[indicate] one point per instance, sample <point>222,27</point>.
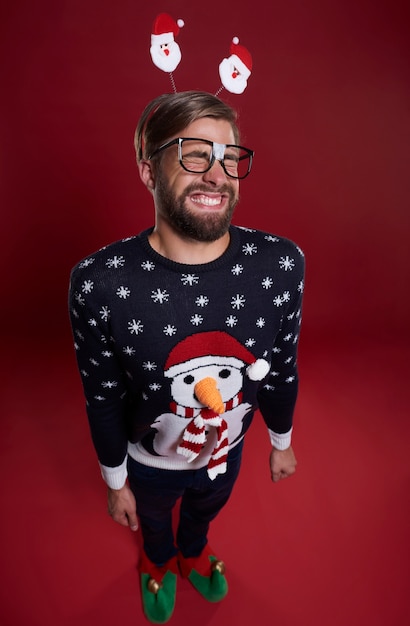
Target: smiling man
<point>182,332</point>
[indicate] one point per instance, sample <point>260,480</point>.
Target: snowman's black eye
<point>224,373</point>
<point>188,380</point>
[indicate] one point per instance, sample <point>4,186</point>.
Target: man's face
<point>197,206</point>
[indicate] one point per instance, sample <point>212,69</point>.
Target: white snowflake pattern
<point>276,350</point>
<point>277,300</point>
<point>160,296</point>
<point>290,379</point>
<point>196,319</point>
<point>92,322</point>
<point>269,387</point>
<point>286,263</point>
<point>238,301</point>
<point>286,296</point>
<point>301,286</point>
<point>75,314</point>
<point>237,269</point>
<point>288,337</point>
<point>149,366</point>
<point>79,334</point>
<point>107,353</point>
<point>288,360</point>
<point>79,299</point>
<point>155,386</point>
<point>274,374</point>
<point>123,292</point>
<point>105,313</point>
<point>135,327</point>
<point>267,282</point>
<point>94,362</point>
<point>115,262</point>
<point>260,322</point>
<point>129,351</point>
<point>271,238</point>
<point>170,330</point>
<point>189,279</point>
<point>84,373</point>
<point>231,321</point>
<point>144,396</point>
<point>100,398</point>
<point>76,346</point>
<point>249,249</point>
<point>202,301</point>
<point>148,266</point>
<point>86,262</point>
<point>109,384</point>
<point>250,342</point>
<point>87,286</point>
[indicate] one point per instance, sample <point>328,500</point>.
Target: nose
<point>207,392</point>
<point>215,174</point>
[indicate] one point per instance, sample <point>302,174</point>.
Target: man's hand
<point>122,507</point>
<point>282,463</point>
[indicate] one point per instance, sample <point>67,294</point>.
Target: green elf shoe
<point>206,573</point>
<point>158,589</point>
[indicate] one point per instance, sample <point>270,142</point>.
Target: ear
<point>147,176</point>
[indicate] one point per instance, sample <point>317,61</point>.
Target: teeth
<point>206,200</point>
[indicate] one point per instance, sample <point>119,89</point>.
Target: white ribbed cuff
<point>115,477</point>
<point>280,441</point>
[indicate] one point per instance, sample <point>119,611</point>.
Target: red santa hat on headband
<point>165,29</point>
<point>235,70</point>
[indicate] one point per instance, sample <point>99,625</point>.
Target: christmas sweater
<point>147,330</point>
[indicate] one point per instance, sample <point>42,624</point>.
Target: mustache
<point>202,188</point>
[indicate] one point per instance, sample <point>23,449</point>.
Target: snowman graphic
<point>206,372</point>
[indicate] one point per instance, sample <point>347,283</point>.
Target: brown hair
<point>168,114</point>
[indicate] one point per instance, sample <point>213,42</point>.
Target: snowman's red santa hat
<point>165,29</point>
<point>213,348</point>
<point>241,57</point>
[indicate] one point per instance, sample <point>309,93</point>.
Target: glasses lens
<point>195,155</point>
<point>237,161</point>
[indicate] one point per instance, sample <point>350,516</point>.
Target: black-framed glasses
<point>197,156</point>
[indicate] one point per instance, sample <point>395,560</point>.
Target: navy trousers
<point>157,491</point>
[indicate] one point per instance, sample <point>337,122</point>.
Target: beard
<point>207,227</point>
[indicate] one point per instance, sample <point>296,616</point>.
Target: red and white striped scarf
<point>194,435</point>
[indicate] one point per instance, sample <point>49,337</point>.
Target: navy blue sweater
<point>146,329</point>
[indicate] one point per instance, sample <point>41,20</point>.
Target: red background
<point>327,112</point>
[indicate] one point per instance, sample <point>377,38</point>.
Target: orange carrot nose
<point>208,393</point>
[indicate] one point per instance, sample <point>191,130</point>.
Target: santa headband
<point>234,70</point>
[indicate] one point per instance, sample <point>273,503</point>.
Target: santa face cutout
<point>236,69</point>
<point>231,77</point>
<point>166,56</point>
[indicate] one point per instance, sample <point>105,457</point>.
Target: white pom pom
<point>235,40</point>
<point>180,23</point>
<point>258,370</point>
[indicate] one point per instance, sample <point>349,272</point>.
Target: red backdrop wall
<point>326,111</point>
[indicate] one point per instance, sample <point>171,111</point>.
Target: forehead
<point>209,128</point>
